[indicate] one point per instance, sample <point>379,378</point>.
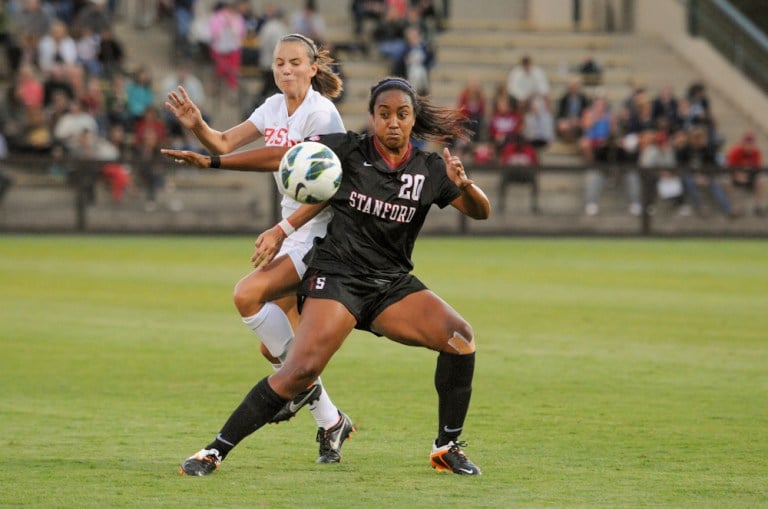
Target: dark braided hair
<point>325,80</point>
<point>433,123</point>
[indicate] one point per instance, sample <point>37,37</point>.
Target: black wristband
<point>215,162</point>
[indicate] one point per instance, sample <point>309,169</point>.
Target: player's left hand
<point>267,246</point>
<point>455,170</point>
<point>188,157</point>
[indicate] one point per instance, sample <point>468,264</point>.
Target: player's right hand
<point>267,246</point>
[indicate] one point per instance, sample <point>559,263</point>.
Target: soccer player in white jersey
<point>304,76</point>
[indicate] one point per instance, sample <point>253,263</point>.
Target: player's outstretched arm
<point>472,202</point>
<point>260,159</point>
<point>216,142</point>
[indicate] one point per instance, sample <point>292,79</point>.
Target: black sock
<point>260,405</point>
<point>453,381</point>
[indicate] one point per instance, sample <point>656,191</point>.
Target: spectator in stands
<point>124,144</point>
<point>228,30</point>
<point>390,34</point>
<point>12,117</point>
<point>570,110</point>
<point>110,54</point>
<point>5,28</point>
<point>310,23</point>
<point>526,79</point>
<point>599,145</point>
<point>183,15</point>
<point>88,44</point>
<point>57,107</point>
<point>636,118</point>
<point>31,21</point>
<point>657,153</point>
<point>518,153</point>
<point>472,103</point>
<point>94,149</point>
<point>505,121</point>
<point>150,137</point>
<point>696,153</point>
<point>367,9</point>
<point>6,181</point>
<point>28,88</point>
<point>666,110</point>
<point>64,9</point>
<point>56,47</point>
<point>93,102</point>
<point>599,131</point>
<point>415,62</point>
<point>182,76</point>
<point>746,155</point>
<point>591,71</point>
<point>139,95</point>
<point>538,122</point>
<point>116,100</point>
<point>270,33</point>
<point>698,105</point>
<point>70,126</point>
<point>700,113</point>
<point>95,16</point>
<point>56,81</point>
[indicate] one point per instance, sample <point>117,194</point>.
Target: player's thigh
<point>422,318</point>
<point>275,280</point>
<point>323,327</point>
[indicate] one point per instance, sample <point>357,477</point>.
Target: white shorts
<point>295,250</point>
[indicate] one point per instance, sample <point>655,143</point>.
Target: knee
<point>248,296</point>
<point>461,339</point>
<point>294,377</point>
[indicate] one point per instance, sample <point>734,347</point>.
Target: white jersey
<point>316,115</point>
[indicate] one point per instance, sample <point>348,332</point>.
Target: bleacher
<point>487,48</point>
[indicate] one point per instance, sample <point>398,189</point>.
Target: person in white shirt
<point>265,298</point>
<point>56,46</point>
<point>527,79</point>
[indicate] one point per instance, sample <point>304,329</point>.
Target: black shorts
<point>365,297</point>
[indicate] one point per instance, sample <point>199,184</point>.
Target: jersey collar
<point>380,150</point>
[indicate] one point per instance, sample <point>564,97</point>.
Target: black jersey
<point>378,211</point>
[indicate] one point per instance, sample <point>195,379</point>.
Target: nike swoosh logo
<point>366,163</point>
<point>449,430</point>
<point>467,470</point>
<point>295,406</point>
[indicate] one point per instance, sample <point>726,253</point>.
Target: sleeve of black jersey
<point>341,143</point>
<point>445,190</point>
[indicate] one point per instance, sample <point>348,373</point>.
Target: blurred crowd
<point>69,94</point>
<point>675,133</point>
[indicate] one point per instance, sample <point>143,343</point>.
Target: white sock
<point>323,410</point>
<point>272,327</point>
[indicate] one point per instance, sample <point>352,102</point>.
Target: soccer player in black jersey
<point>359,274</point>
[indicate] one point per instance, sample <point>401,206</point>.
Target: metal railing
<point>739,40</point>
<point>81,176</point>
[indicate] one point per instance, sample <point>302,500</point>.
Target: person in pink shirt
<point>228,30</point>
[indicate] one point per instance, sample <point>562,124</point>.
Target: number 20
<point>412,186</point>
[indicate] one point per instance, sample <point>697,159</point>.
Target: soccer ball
<point>309,172</point>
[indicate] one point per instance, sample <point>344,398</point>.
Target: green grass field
<point>610,373</point>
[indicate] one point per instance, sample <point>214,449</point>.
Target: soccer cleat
<point>331,439</point>
<point>451,457</point>
<point>292,407</point>
<point>204,462</point>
